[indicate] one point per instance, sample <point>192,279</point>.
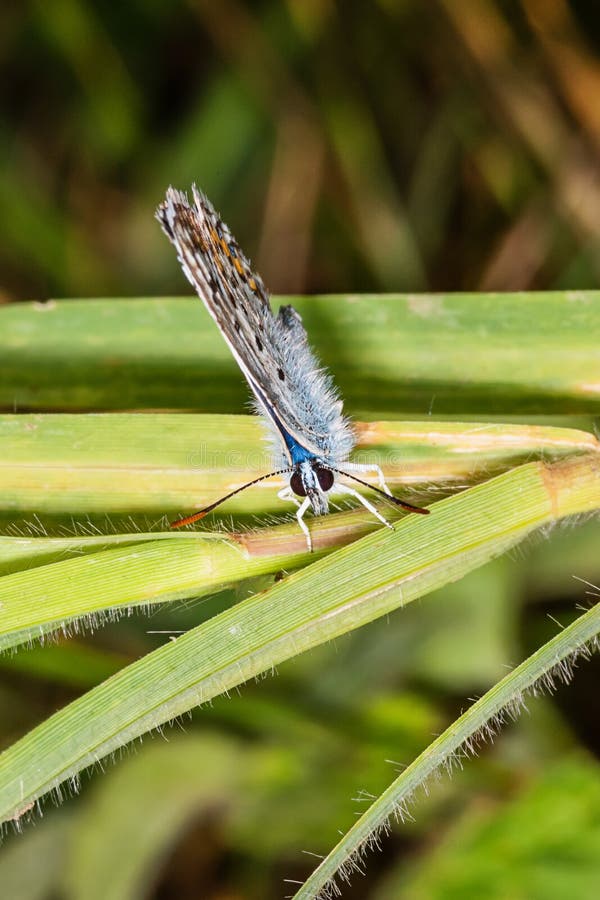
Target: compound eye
<point>325,478</point>
<point>297,486</point>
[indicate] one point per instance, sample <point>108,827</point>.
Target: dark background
<point>350,146</point>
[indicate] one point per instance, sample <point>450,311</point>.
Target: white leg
<point>346,489</point>
<point>299,515</point>
<point>287,493</point>
<point>368,467</point>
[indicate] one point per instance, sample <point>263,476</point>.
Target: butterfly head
<point>312,479</point>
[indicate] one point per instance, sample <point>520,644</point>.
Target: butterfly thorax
<point>312,478</point>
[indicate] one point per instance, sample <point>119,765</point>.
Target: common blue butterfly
<point>309,433</point>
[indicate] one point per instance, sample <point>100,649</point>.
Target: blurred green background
<point>392,145</point>
<point>351,146</point>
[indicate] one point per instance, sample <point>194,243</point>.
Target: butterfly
<point>310,436</point>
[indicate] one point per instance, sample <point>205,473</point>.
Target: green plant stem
<point>479,721</point>
<point>353,586</point>
<point>518,354</point>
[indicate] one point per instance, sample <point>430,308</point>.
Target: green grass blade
<point>67,462</point>
<point>124,471</point>
<point>350,588</point>
<point>151,569</point>
<point>502,353</point>
<point>504,700</point>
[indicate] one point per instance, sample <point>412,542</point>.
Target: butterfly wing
<point>272,351</point>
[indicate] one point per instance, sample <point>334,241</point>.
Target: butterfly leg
<point>300,516</point>
<point>287,493</point>
<point>369,467</point>
<point>346,489</point>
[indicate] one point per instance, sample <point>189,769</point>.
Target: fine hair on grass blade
<point>540,673</point>
<point>336,594</point>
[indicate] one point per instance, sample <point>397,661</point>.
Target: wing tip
<point>167,211</point>
<point>177,201</point>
